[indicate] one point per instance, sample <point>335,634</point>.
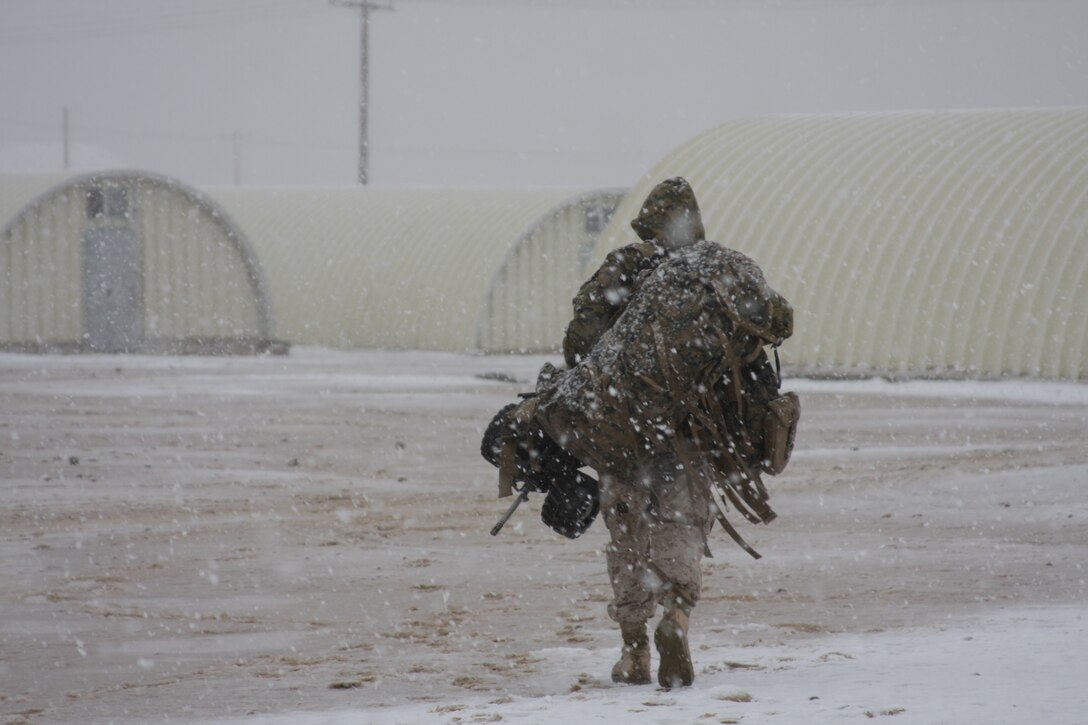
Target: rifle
<point>523,496</point>
<point>572,498</point>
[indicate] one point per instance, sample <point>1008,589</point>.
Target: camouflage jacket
<point>604,296</point>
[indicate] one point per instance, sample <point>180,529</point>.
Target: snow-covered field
<point>304,539</point>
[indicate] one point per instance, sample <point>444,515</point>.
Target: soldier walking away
<point>670,397</point>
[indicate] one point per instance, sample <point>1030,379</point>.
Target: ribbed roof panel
<point>912,243</point>
<point>19,190</point>
<point>383,267</point>
<point>200,286</point>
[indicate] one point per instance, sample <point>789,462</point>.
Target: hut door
<point>111,290</point>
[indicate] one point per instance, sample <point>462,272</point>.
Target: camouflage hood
<point>670,216</point>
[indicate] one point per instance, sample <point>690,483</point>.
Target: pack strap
<point>689,465</point>
<point>725,488</point>
<point>748,495</point>
<point>733,533</point>
<point>508,461</point>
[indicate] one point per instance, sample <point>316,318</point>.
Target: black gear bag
<point>532,459</point>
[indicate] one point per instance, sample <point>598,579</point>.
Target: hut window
<point>109,201</point>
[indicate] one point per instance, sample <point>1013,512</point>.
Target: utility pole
<point>364,6</point>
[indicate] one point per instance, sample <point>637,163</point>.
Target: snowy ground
<point>305,540</point>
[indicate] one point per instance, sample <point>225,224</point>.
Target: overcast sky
<point>525,92</point>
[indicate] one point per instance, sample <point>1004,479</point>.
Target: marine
<point>669,395</point>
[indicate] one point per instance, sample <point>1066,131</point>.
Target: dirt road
<point>191,537</point>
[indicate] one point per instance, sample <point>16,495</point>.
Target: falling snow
<point>304,539</point>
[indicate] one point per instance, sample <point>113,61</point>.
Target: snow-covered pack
<point>683,371</point>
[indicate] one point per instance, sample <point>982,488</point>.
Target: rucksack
<point>702,314</point>
<point>682,371</point>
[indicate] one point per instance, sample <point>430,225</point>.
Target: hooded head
<point>670,216</point>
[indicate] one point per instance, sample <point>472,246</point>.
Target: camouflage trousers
<point>658,526</point>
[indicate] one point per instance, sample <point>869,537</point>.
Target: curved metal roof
<point>21,194</point>
<point>19,190</point>
<point>926,243</point>
<point>384,267</point>
<point>529,295</point>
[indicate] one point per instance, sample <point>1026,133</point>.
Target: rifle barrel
<point>522,497</point>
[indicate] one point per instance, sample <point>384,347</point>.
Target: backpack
<point>682,371</point>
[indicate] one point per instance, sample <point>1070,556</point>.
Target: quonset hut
<point>529,297</point>
<point>950,244</point>
<point>490,270</point>
<point>125,261</point>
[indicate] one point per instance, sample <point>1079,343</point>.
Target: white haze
<point>486,92</point>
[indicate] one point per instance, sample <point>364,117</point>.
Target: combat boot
<point>671,640</point>
<point>633,667</point>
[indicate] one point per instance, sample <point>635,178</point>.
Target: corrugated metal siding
<point>918,243</point>
<point>198,285</point>
<point>199,279</point>
<point>395,268</point>
<point>529,300</point>
<point>41,273</point>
